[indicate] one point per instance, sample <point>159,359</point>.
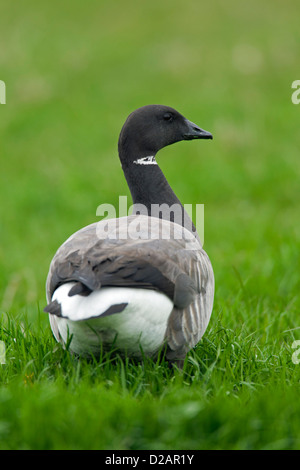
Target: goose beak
<point>195,132</point>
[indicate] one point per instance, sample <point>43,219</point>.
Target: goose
<point>140,283</point>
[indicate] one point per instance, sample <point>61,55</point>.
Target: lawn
<point>73,72</point>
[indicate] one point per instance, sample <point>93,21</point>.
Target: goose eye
<point>168,117</point>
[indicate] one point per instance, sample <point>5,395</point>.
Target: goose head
<point>150,128</point>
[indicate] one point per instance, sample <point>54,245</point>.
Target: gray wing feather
<point>187,326</point>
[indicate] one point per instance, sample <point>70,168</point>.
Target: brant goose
<point>142,282</point>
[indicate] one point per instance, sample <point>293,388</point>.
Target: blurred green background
<point>75,70</point>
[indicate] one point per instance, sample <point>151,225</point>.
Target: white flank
<point>141,325</point>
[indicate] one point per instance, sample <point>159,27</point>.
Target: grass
<point>72,78</point>
<point>226,397</point>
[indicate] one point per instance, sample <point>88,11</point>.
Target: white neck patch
<point>146,161</point>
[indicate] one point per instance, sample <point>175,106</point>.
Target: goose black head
<point>150,128</point>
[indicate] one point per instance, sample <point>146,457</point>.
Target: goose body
<point>141,282</point>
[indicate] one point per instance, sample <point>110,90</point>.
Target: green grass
<point>73,72</point>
